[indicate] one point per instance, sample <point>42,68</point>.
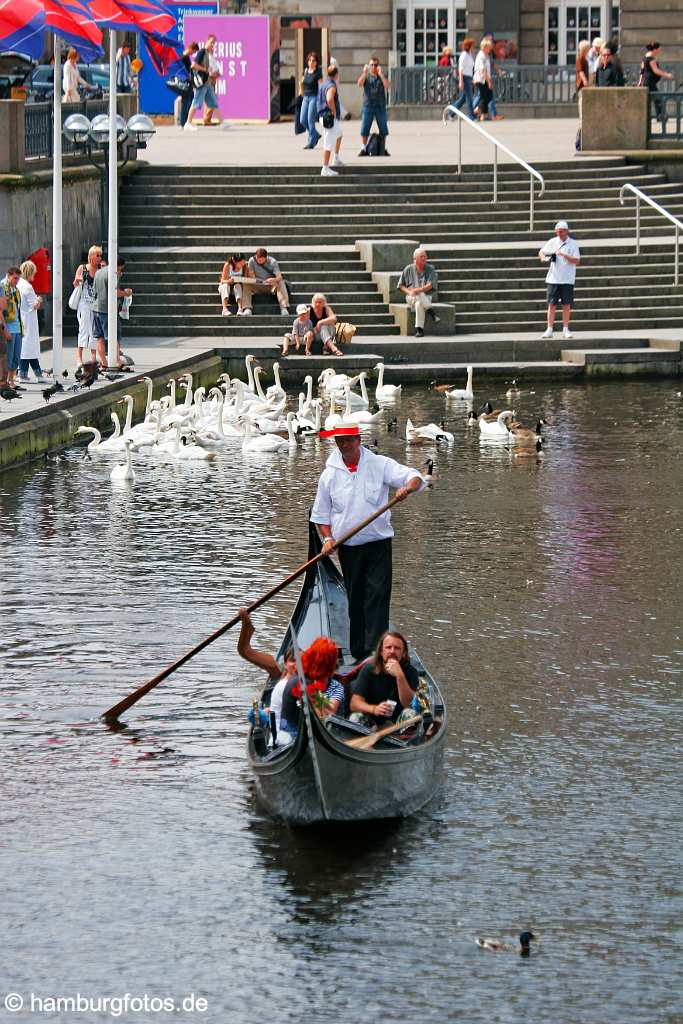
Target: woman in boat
<point>326,694</point>
<point>279,674</point>
<point>386,686</point>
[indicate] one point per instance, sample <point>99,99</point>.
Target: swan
<point>465,394</point>
<point>429,434</point>
<point>150,391</point>
<point>307,407</point>
<point>215,434</point>
<point>96,444</point>
<point>276,391</point>
<point>385,392</point>
<point>124,472</point>
<point>266,407</point>
<point>358,401</point>
<point>334,419</point>
<point>115,443</point>
<point>360,416</point>
<point>308,426</point>
<point>498,428</point>
<point>330,380</point>
<point>261,442</point>
<point>249,360</point>
<point>187,451</point>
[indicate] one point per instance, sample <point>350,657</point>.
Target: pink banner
<point>242,52</point>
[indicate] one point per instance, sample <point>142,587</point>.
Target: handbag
<point>180,86</point>
<point>75,297</point>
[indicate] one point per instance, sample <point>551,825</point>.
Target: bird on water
<point>497,946</point>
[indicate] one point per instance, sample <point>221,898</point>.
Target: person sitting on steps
<point>419,283</point>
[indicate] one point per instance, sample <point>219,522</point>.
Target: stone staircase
<point>178,224</point>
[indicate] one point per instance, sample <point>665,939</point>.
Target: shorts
<point>84,316</point>
<point>560,294</point>
<point>100,325</point>
<point>13,351</point>
<point>370,114</point>
<point>330,135</point>
<point>204,94</point>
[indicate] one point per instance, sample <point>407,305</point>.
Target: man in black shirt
<point>385,687</point>
<point>608,70</point>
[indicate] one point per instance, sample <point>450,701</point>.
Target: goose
<point>360,416</point>
<point>465,394</point>
<point>496,946</point>
<point>471,420</point>
<point>525,435</point>
<point>261,442</point>
<point>489,413</point>
<point>535,453</point>
<point>430,476</point>
<point>513,391</point>
<point>124,472</point>
<point>497,429</point>
<point>385,392</point>
<point>429,434</point>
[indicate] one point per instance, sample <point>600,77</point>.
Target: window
<point>421,32</point>
<point>568,23</point>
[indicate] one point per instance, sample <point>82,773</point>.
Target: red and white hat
<point>353,431</point>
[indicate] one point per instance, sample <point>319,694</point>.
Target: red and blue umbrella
<point>23,24</point>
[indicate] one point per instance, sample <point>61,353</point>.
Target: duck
<point>465,394</point>
<point>124,472</point>
<point>499,428</point>
<point>496,946</point>
<point>513,391</point>
<point>385,392</point>
<point>525,435</point>
<point>428,434</point>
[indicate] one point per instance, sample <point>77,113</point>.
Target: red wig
<point>320,659</point>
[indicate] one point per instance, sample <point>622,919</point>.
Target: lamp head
<point>76,128</point>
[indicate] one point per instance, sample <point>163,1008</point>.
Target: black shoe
<point>433,315</point>
<point>419,333</point>
<point>363,152</point>
<point>385,153</point>
<point>308,146</point>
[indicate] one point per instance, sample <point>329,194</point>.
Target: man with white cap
<point>354,484</point>
<point>562,253</point>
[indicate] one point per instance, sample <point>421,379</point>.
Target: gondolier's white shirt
<point>345,499</point>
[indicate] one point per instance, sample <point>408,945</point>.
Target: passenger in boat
<point>385,687</point>
<point>326,694</point>
<point>355,484</point>
<point>269,664</point>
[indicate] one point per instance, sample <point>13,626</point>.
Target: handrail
<point>639,194</point>
<point>496,146</point>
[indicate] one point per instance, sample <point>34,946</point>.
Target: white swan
<point>124,472</point>
<point>276,391</point>
<point>360,416</point>
<point>96,444</point>
<point>115,443</point>
<point>307,407</point>
<point>214,433</point>
<point>333,419</point>
<point>465,394</point>
<point>188,451</point>
<point>428,434</point>
<point>385,392</point>
<point>311,426</point>
<point>497,429</point>
<point>261,442</point>
<point>357,401</point>
<point>330,380</point>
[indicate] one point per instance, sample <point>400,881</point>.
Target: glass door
<point>568,23</point>
<point>421,31</point>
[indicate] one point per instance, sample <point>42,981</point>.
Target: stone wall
<point>645,20</point>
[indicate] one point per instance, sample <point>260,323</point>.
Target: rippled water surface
<point>546,598</point>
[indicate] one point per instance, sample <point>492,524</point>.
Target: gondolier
<point>353,485</point>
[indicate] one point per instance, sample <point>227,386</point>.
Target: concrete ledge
<point>625,362</point>
<point>386,254</point>
<point>405,318</point>
<point>512,111</point>
<point>615,118</point>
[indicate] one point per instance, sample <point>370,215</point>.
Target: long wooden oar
<point>110,717</point>
<point>368,742</point>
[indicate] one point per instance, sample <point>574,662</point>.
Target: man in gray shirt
<point>267,278</point>
<point>419,283</point>
<point>100,312</point>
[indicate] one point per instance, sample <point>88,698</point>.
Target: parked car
<point>40,86</point>
<point>15,69</point>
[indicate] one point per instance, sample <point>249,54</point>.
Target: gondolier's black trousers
<point>367,575</point>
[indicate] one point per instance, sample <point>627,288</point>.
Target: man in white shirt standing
<point>562,253</point>
<point>354,484</point>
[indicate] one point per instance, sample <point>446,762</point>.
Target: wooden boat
<point>318,777</point>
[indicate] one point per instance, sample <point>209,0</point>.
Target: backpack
<point>375,146</point>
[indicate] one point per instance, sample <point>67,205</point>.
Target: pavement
<point>536,140</point>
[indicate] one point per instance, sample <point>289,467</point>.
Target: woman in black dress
<point>650,73</point>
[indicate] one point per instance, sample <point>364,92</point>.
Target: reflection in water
<point>545,597</point>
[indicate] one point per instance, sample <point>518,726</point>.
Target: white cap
<point>562,226</point>
<point>301,308</point>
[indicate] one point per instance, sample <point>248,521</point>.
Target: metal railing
<point>666,110</point>
<point>524,83</point>
<point>38,124</point>
<point>448,114</point>
<point>639,194</point>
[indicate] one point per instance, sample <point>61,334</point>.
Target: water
<point>545,597</point>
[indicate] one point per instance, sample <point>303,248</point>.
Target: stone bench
<point>405,318</point>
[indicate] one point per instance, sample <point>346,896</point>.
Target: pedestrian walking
<point>354,484</point>
<point>329,108</point>
<point>30,341</point>
<point>582,79</point>
<point>562,253</point>
<point>310,81</point>
<point>650,73</point>
<point>204,95</point>
<point>124,70</point>
<point>188,95</point>
<point>482,78</point>
<point>11,300</point>
<point>609,71</point>
<point>375,87</point>
<point>72,79</point>
<point>465,75</point>
<point>593,58</point>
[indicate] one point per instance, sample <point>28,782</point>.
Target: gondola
<point>319,778</point>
